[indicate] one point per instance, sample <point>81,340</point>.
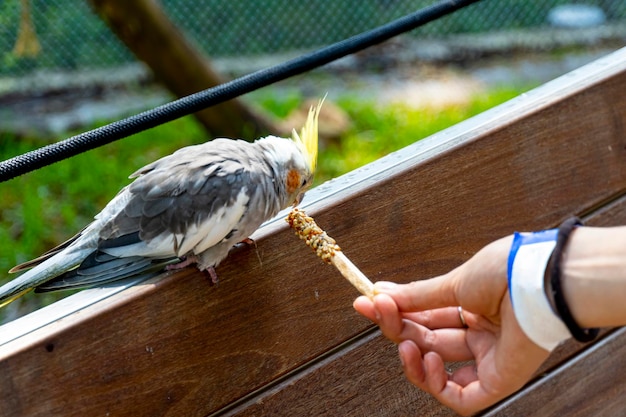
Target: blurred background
<point>70,66</point>
<point>72,37</point>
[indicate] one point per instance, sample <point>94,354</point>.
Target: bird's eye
<point>304,182</point>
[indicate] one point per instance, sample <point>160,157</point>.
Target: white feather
<point>196,239</point>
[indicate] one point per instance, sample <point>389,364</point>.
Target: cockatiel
<point>189,207</point>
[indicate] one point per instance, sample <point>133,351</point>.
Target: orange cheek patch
<point>293,181</point>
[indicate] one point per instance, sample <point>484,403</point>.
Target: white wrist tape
<point>530,253</point>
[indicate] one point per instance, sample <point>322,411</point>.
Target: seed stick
<point>326,248</point>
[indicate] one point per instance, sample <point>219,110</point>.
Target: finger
<point>436,377</point>
<point>450,317</point>
<point>429,374</point>
<point>440,318</point>
<point>464,399</point>
<point>450,344</point>
<point>411,359</point>
<point>390,321</point>
<point>420,295</point>
<point>465,375</point>
<point>364,306</point>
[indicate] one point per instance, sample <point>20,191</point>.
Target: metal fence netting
<point>70,35</point>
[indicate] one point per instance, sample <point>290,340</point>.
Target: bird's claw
<point>212,275</point>
<point>188,260</point>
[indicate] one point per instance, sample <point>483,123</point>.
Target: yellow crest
<point>307,140</point>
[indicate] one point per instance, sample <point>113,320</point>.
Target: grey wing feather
<point>166,198</point>
<point>181,190</point>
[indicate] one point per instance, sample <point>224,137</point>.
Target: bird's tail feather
<point>45,271</point>
<point>44,257</point>
<point>100,268</point>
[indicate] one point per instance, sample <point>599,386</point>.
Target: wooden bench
<point>278,336</point>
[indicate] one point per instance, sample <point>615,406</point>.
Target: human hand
<point>423,318</point>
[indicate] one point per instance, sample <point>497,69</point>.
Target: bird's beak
<point>298,199</point>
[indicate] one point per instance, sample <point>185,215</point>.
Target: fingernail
<point>382,286</point>
<point>401,354</point>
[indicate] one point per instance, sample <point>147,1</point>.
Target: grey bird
<point>189,207</point>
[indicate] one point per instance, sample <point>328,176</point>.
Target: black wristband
<point>554,270</point>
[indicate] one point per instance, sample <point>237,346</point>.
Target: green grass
<point>43,208</point>
<point>378,131</point>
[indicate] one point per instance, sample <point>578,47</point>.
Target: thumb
<point>478,285</point>
<point>420,295</point>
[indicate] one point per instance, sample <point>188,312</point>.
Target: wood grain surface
<point>591,384</point>
<point>278,335</point>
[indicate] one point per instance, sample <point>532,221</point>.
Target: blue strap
<point>527,238</point>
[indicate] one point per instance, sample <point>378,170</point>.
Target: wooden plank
<point>370,369</point>
<point>592,384</point>
<point>178,346</point>
<point>364,379</point>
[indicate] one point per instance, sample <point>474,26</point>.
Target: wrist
<point>537,281</point>
<point>528,258</point>
<point>593,276</point>
<point>555,276</point>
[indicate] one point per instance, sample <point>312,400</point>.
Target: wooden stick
<point>326,248</point>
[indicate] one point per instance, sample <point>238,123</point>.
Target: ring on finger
<point>463,322</point>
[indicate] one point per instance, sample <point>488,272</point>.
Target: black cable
<point>55,152</point>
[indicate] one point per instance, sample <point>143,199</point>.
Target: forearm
<point>594,276</point>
